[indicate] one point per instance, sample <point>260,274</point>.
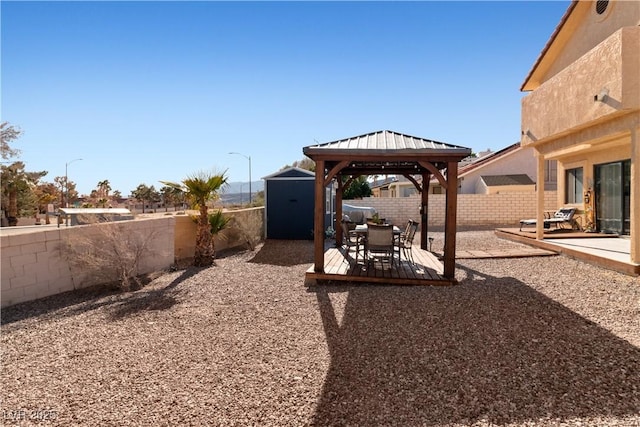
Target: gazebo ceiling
<point>385,152</point>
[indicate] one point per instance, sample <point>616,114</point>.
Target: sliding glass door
<point>613,196</point>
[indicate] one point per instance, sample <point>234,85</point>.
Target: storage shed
<point>289,204</point>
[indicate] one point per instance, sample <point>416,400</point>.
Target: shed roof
<point>501,180</point>
<point>291,172</point>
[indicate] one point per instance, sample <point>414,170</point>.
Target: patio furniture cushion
<point>561,216</point>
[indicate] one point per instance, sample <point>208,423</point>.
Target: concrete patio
<point>604,250</point>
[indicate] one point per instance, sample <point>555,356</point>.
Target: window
<point>550,171</point>
<point>573,185</point>
<point>601,6</point>
<point>409,191</point>
<point>327,201</point>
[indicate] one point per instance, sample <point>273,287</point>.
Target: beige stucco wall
<point>565,102</point>
<point>586,29</point>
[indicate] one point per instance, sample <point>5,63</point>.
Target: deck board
<point>341,266</point>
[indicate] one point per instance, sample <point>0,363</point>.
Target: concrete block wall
<point>33,264</point>
<point>245,228</point>
<point>472,209</point>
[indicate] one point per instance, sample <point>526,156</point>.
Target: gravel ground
<point>525,342</point>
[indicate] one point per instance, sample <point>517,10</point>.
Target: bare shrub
<point>238,231</point>
<point>110,252</point>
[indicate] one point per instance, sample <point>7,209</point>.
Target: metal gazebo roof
<point>386,152</point>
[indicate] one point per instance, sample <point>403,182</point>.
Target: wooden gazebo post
<point>424,210</point>
<point>450,220</point>
<point>339,191</point>
<point>318,221</point>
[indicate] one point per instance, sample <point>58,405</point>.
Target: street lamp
<point>66,182</point>
<point>248,158</point>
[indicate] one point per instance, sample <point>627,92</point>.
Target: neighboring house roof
<point>487,159</point>
<point>383,183</point>
<point>501,180</point>
<point>385,141</point>
<point>550,43</point>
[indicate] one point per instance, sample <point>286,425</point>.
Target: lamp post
<point>248,158</point>
<point>66,182</point>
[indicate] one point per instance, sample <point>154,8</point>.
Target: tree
<point>171,196</point>
<point>17,191</point>
<point>46,193</point>
<point>144,193</point>
<point>68,187</point>
<point>104,187</point>
<point>305,163</point>
<point>8,133</point>
<point>358,189</point>
<point>17,184</point>
<point>200,188</point>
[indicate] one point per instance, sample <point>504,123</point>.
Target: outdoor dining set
<point>378,243</point>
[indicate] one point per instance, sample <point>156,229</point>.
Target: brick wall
<point>473,209</point>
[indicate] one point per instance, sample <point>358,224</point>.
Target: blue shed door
<point>290,209</point>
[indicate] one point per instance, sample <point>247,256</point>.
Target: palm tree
<point>200,188</point>
<point>104,187</point>
<point>144,194</point>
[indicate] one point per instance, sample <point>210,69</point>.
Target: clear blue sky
<point>149,91</point>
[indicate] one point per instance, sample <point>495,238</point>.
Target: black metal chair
<point>351,240</point>
<point>406,240</point>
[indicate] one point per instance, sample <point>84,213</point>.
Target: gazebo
<point>393,153</point>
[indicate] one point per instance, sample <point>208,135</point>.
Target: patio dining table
<point>362,229</point>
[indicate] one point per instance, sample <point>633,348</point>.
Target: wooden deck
<point>427,270</point>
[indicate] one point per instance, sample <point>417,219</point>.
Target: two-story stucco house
<point>583,110</point>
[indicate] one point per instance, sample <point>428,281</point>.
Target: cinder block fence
<point>34,266</point>
<point>473,209</point>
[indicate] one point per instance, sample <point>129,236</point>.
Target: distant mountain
<point>238,192</point>
<point>243,187</point>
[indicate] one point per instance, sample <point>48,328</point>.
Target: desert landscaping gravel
<point>542,341</point>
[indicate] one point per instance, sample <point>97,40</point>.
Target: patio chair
<point>380,243</point>
<point>400,237</point>
<point>406,241</point>
<point>559,218</point>
<point>351,240</point>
